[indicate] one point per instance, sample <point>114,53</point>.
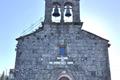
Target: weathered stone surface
<point>87,51</point>
<point>61,50</point>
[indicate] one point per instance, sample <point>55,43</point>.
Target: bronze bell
<point>56,12</point>
<point>68,14</point>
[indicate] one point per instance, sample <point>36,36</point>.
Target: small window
<point>62,50</point>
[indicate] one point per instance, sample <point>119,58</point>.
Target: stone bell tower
<point>61,9</point>
<point>61,50</point>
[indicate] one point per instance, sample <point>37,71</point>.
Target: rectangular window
<point>62,51</point>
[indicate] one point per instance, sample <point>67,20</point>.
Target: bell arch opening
<point>68,13</point>
<point>56,12</point>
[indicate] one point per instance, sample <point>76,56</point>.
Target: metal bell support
<point>56,12</point>
<point>68,14</point>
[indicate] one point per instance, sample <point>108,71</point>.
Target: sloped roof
<point>37,30</point>
<point>93,36</point>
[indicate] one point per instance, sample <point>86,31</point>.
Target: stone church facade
<point>62,50</point>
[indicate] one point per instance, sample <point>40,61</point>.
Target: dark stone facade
<point>62,51</point>
<point>38,56</point>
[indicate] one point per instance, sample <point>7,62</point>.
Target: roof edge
<point>39,29</point>
<point>96,35</point>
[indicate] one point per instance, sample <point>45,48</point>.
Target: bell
<point>68,14</point>
<point>56,12</point>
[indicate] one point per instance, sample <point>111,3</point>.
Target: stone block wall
<point>37,55</point>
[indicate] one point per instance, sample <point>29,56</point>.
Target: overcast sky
<point>101,17</point>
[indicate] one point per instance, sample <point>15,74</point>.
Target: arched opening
<point>68,14</point>
<point>64,78</point>
<point>56,12</point>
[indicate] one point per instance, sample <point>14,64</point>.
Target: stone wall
<point>86,59</point>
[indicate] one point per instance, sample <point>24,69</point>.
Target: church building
<point>60,49</point>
